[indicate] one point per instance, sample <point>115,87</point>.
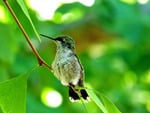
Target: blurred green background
<point>112,41</point>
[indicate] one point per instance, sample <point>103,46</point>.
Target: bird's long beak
<point>47,37</point>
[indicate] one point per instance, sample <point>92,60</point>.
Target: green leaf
<point>24,9</point>
<point>105,105</point>
<point>97,101</point>
<point>111,108</point>
<point>13,95</point>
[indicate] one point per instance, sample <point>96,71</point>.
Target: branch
<point>41,62</point>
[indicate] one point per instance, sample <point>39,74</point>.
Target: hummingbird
<point>67,67</point>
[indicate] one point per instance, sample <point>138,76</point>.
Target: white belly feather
<point>67,68</point>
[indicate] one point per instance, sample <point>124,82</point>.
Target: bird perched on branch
<point>67,67</point>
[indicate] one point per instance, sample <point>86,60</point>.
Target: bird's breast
<point>67,68</point>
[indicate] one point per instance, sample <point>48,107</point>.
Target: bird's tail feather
<point>84,94</point>
<point>74,95</point>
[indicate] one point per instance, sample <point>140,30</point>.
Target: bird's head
<point>63,41</point>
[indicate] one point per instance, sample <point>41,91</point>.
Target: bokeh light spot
<point>3,15</point>
<point>97,50</point>
<point>129,1</point>
<point>51,97</point>
<point>88,3</point>
<point>118,64</point>
<point>47,8</point>
<point>72,15</point>
<point>130,79</point>
<point>143,1</point>
<point>146,77</point>
<point>148,106</point>
<point>141,96</point>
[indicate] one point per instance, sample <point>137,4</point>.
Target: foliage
<point>24,9</point>
<point>105,105</point>
<point>13,95</point>
<point>112,42</point>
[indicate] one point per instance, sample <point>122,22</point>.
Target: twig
<point>40,60</point>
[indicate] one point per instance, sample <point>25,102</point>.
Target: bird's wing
<point>72,70</point>
<point>81,80</point>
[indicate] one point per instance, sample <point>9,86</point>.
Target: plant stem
<point>40,60</point>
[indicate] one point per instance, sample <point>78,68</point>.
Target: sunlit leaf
<point>105,105</point>
<point>111,108</point>
<point>13,95</point>
<point>97,101</point>
<point>24,9</point>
